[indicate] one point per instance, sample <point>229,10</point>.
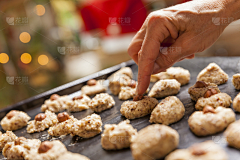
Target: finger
<point>147,56</point>
<point>191,56</point>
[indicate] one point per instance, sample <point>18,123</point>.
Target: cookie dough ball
<point>20,148</point>
<point>210,120</point>
<point>78,103</point>
<point>72,156</point>
<point>117,81</point>
<point>232,134</point>
<point>180,74</point>
<point>169,110</point>
<point>236,103</point>
<point>154,142</point>
<point>9,136</point>
<point>93,87</point>
<point>42,121</point>
<point>87,127</point>
<point>213,74</point>
<point>117,136</point>
<point>200,88</point>
<point>164,88</point>
<point>56,103</point>
<point>101,102</point>
<point>64,125</point>
<point>159,76</point>
<point>125,70</point>
<point>207,150</point>
<point>15,120</point>
<point>236,81</point>
<point>48,151</point>
<point>220,99</point>
<point>137,109</point>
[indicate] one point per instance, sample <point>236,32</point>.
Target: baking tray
<point>92,147</point>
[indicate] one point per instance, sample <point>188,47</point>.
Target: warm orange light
<point>25,37</point>
<point>43,59</point>
<point>26,58</point>
<point>4,58</point>
<point>40,10</point>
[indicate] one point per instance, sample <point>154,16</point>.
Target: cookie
<point>20,148</point>
<point>9,136</point>
<point>125,70</point>
<point>213,74</point>
<point>56,103</point>
<point>164,88</point>
<point>137,109</point>
<point>64,125</point>
<point>236,103</point>
<point>78,103</point>
<point>72,156</point>
<point>117,136</point>
<point>48,151</point>
<point>93,87</point>
<point>87,127</point>
<point>101,102</point>
<point>207,150</point>
<point>169,110</point>
<point>236,81</point>
<point>220,99</point>
<point>210,120</point>
<point>154,142</point>
<point>232,134</point>
<point>180,74</point>
<point>14,120</point>
<point>42,121</point>
<point>159,76</point>
<point>200,88</point>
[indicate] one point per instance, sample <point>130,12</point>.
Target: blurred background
<point>47,43</point>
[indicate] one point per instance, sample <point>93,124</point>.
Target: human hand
<point>173,34</point>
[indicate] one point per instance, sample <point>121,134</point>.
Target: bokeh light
<point>26,58</point>
<point>43,59</point>
<point>25,37</point>
<point>40,10</point>
<point>4,58</point>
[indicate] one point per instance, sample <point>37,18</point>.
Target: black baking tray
<point>92,147</point>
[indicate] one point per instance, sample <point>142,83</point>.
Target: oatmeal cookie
<point>199,89</point>
<point>64,125</point>
<point>14,120</point>
<point>56,103</point>
<point>101,102</point>
<point>42,121</point>
<point>232,134</point>
<point>72,156</point>
<point>210,120</point>
<point>236,81</point>
<point>236,103</point>
<point>48,151</point>
<point>180,74</point>
<point>207,150</point>
<point>78,103</point>
<point>164,88</point>
<point>137,109</point>
<point>9,136</point>
<point>125,70</point>
<point>154,142</point>
<point>213,74</point>
<point>169,110</point>
<point>117,136</point>
<point>220,99</point>
<point>87,127</point>
<point>159,76</point>
<point>93,87</point>
<point>20,148</point>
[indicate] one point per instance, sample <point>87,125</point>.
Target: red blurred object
<point>125,15</point>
